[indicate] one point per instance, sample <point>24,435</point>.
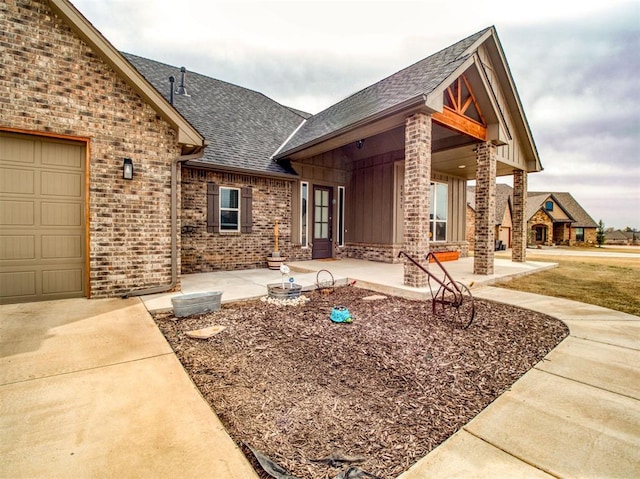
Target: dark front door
<point>322,222</point>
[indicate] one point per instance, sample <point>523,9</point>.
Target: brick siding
<point>51,81</point>
<point>204,252</point>
<point>417,187</point>
<point>484,246</point>
<point>519,232</point>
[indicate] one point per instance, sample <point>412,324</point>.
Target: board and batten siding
<point>512,152</point>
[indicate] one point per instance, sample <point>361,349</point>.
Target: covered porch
<point>386,169</point>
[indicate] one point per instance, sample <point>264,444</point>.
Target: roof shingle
<point>421,78</point>
<point>243,127</point>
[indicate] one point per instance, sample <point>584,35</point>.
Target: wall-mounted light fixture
<point>127,169</point>
<point>359,144</point>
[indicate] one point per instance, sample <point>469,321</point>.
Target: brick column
<point>519,231</point>
<point>417,181</point>
<point>483,252</point>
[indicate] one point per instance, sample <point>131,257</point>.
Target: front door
<point>322,222</point>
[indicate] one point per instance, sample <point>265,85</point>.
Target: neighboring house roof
<point>616,235</point>
<point>243,127</point>
<point>503,200</point>
<point>187,134</point>
<point>580,218</point>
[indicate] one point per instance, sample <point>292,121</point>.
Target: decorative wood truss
<point>461,111</point>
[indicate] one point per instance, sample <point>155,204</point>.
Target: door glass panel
<point>321,214</point>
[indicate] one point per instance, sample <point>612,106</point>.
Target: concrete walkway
<point>575,414</point>
<point>90,388</point>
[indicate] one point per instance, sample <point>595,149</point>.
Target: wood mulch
<point>388,387</point>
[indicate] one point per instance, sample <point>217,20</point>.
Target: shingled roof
<point>417,80</point>
<point>581,219</point>
<point>243,127</point>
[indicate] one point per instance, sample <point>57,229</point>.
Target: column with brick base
<point>483,253</point>
<point>417,181</point>
<point>519,221</point>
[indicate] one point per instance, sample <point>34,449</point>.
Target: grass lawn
<point>613,283</point>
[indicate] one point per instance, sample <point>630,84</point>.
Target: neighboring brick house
<point>552,218</point>
<point>115,181</point>
<point>557,218</point>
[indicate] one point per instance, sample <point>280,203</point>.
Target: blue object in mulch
<point>340,314</point>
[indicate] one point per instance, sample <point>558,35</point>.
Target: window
<point>548,206</point>
<point>340,215</point>
<point>304,214</point>
<point>438,216</point>
<point>229,209</point>
<point>579,234</point>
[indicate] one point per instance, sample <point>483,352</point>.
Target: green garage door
<point>42,218</point>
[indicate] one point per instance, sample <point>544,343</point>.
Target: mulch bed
<point>388,387</point>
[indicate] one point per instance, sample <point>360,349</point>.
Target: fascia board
<point>418,101</point>
<point>513,92</point>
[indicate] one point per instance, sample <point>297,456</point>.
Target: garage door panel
<point>16,180</point>
<point>16,248</point>
<point>18,283</point>
<point>62,281</point>
<point>42,218</point>
<point>17,150</point>
<point>62,154</point>
<point>61,184</point>
<point>61,214</point>
<point>62,247</point>
<point>17,213</point>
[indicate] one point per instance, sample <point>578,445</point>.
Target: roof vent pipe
<point>182,90</point>
<point>172,81</point>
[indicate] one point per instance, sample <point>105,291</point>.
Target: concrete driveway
<point>90,388</point>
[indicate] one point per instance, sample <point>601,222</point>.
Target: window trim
<point>304,210</point>
<point>341,201</point>
<point>432,212</point>
<point>245,217</point>
<point>238,209</point>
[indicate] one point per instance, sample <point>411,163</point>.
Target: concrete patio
<point>381,277</point>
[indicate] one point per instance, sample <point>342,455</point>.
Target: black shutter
<point>245,213</point>
<point>213,208</point>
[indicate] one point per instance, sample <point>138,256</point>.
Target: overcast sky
<point>576,66</point>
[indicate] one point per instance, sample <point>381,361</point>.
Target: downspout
<point>174,231</point>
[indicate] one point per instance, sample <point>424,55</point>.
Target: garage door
<point>42,218</point>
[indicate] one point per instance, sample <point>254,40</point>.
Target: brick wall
<point>203,251</point>
<point>519,232</point>
<point>484,247</point>
<point>540,218</point>
<point>417,186</point>
<point>53,82</point>
<point>384,253</point>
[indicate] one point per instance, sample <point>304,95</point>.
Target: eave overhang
<point>372,125</point>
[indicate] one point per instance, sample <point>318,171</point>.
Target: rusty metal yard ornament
<point>455,299</point>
